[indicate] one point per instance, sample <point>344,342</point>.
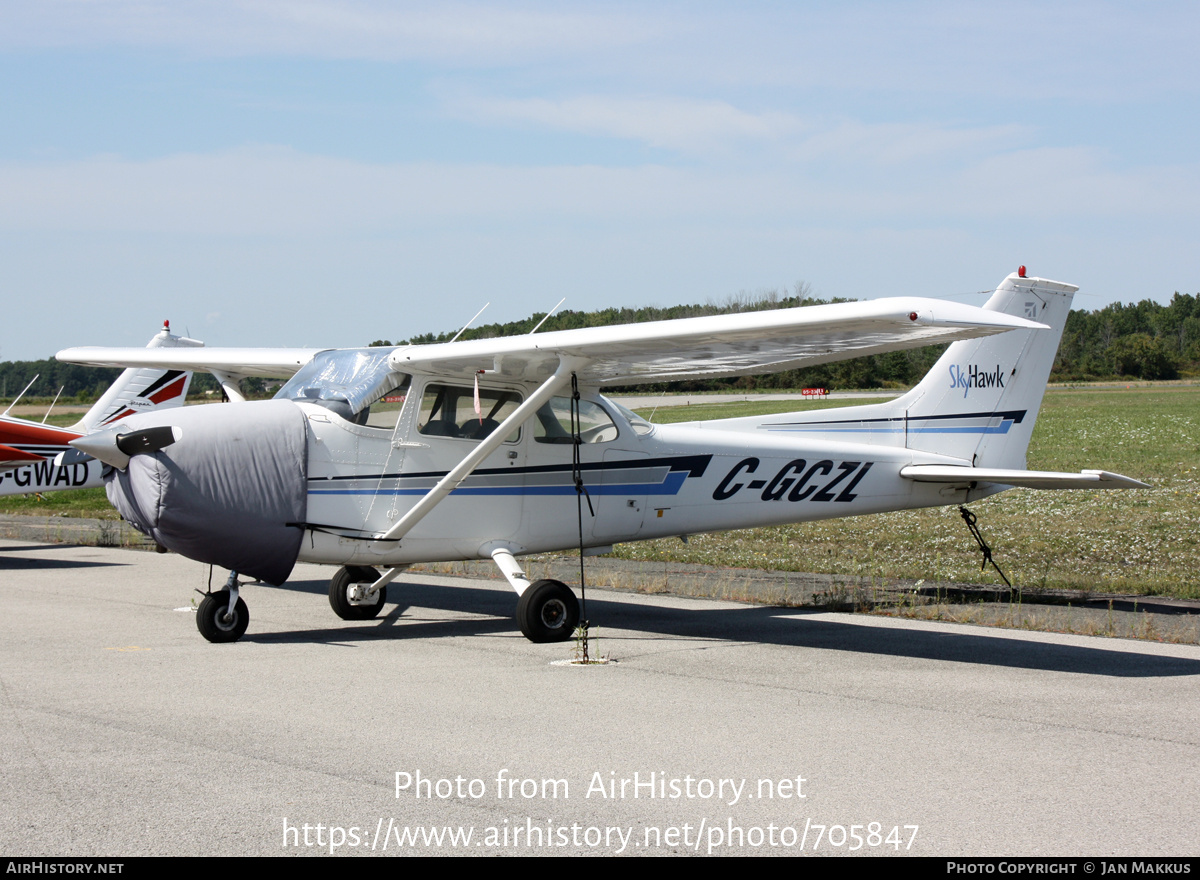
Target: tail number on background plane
<point>46,475</point>
<point>795,481</point>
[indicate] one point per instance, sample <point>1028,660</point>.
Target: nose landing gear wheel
<point>548,612</point>
<point>213,622</point>
<point>344,593</point>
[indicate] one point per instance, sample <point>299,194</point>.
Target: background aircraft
<point>481,449</point>
<point>28,449</point>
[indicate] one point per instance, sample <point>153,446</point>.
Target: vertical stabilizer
<point>981,399</point>
<point>141,390</point>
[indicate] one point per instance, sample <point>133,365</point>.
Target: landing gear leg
<point>547,610</point>
<point>223,616</point>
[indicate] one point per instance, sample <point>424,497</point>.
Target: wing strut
<point>448,483</point>
<point>229,385</point>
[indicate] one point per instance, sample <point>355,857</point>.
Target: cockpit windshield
<point>345,381</point>
<point>639,425</point>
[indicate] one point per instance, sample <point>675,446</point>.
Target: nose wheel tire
<point>345,589</point>
<point>213,622</point>
<point>548,612</point>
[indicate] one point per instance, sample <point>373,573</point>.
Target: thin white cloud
<point>891,144</point>
<point>1019,50</point>
<point>1096,51</point>
<point>469,33</point>
<point>279,192</point>
<point>1080,182</point>
<point>692,126</point>
<point>684,124</point>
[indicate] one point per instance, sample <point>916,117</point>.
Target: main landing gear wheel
<point>548,612</point>
<point>217,626</point>
<point>348,596</point>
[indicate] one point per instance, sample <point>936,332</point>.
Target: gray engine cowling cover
<point>232,491</point>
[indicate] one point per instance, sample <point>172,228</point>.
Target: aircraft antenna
<point>469,323</point>
<point>22,394</point>
<point>661,398</point>
<point>547,318</point>
<point>56,397</point>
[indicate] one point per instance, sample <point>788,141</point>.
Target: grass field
<point>1129,541</point>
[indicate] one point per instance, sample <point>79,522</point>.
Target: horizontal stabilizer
<point>12,457</point>
<point>936,473</point>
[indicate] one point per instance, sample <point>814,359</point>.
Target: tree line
<point>1146,340</point>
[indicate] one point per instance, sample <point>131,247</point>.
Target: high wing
<point>714,346</point>
<point>718,345</point>
<point>239,363</point>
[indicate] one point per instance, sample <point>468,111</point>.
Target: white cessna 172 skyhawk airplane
<point>380,458</point>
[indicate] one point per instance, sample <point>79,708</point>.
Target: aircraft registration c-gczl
<point>374,459</point>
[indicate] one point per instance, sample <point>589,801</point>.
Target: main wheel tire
<point>342,584</point>
<point>548,612</point>
<point>213,623</point>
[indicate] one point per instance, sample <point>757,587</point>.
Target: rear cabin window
<point>450,411</point>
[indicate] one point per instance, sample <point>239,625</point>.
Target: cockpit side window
<point>451,411</point>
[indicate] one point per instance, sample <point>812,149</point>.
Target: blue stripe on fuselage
<point>670,486</point>
<point>928,424</point>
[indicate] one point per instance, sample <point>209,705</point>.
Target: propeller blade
<point>116,449</point>
<point>147,440</point>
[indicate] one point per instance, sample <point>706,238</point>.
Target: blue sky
<point>328,173</point>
